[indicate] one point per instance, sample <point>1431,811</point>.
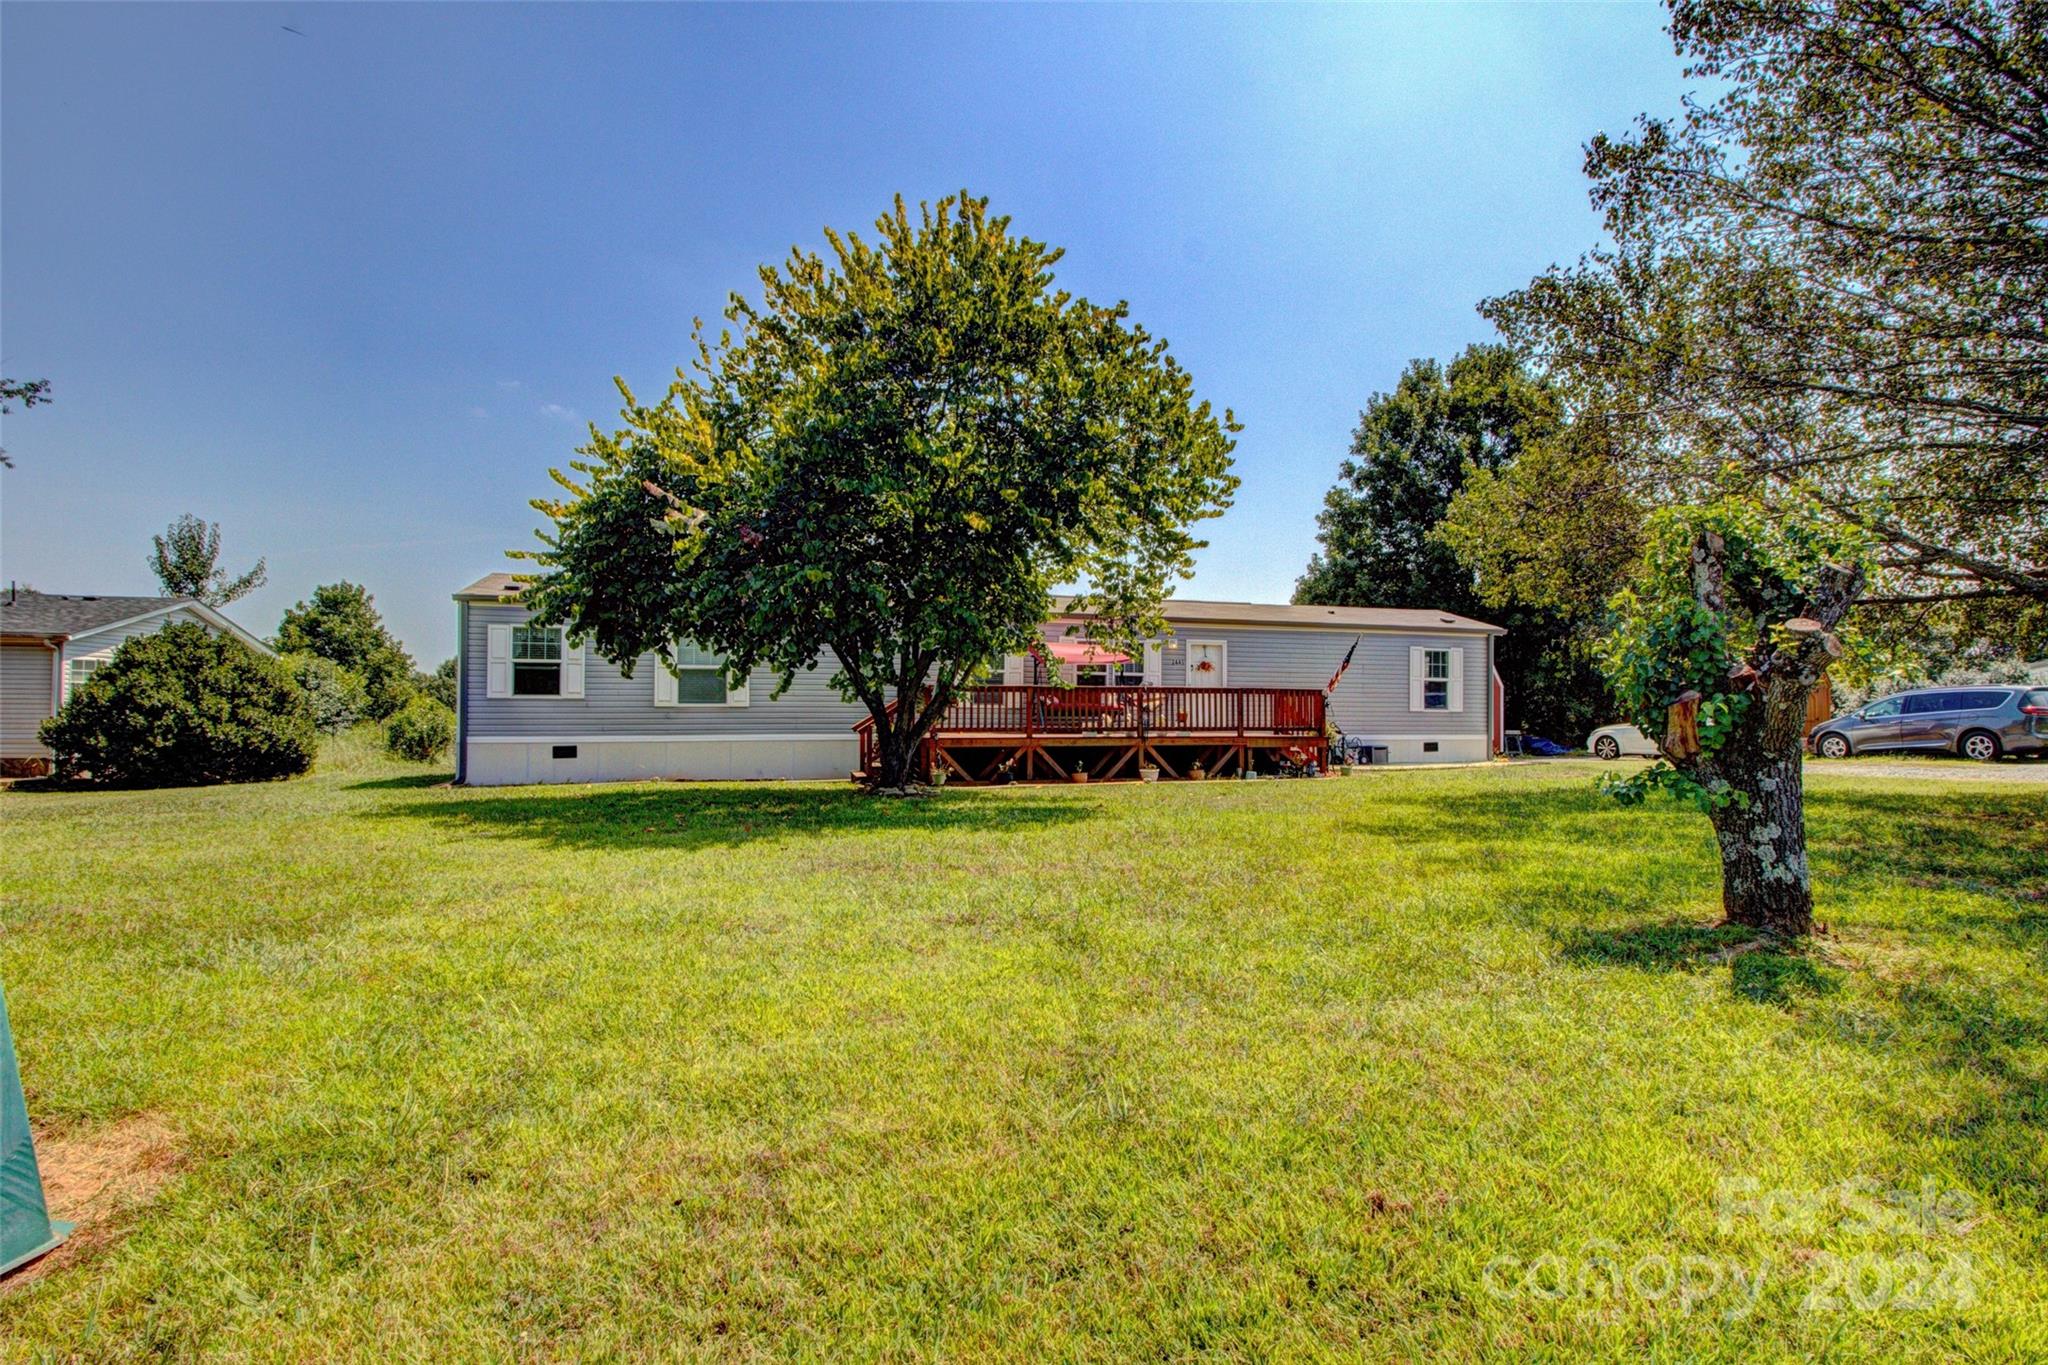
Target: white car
<point>1612,741</point>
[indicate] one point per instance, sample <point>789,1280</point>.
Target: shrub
<point>420,730</point>
<point>337,696</point>
<point>184,707</point>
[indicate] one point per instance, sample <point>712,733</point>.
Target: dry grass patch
<point>96,1178</point>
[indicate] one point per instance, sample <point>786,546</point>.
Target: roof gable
<point>49,615</point>
<point>68,616</point>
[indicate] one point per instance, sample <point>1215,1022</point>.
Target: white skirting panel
<point>1449,748</point>
<point>499,762</point>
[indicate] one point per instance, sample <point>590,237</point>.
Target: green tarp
<point>26,1231</point>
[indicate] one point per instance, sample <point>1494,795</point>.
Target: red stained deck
<point>1043,732</point>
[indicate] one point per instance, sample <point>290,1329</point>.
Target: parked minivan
<point>1976,722</point>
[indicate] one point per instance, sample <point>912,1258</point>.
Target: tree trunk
<point>1755,774</point>
<point>895,760</point>
<point>1764,882</point>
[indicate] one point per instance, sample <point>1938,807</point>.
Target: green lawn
<point>1258,1071</point>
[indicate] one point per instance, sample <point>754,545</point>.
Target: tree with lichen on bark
<point>1731,622</point>
<point>889,463</point>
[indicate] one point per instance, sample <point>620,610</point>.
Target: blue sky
<point>351,293</point>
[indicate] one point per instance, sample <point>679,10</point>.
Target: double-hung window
<point>1129,673</point>
<point>698,680</point>
<point>531,660</point>
<point>695,676</point>
<point>536,661</point>
<point>1436,680</point>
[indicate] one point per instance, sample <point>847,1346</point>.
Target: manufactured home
<point>1234,685</point>
<point>51,642</point>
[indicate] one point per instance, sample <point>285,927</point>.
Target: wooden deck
<point>1044,733</point>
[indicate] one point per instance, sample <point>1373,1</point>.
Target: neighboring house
<point>536,707</point>
<point>51,642</point>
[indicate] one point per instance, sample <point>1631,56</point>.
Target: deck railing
<point>1162,715</point>
<point>1134,712</point>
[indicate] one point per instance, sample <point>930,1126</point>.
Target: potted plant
<point>1148,772</point>
<point>1197,773</point>
<point>1080,773</point>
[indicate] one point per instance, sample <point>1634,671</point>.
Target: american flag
<point>1338,676</point>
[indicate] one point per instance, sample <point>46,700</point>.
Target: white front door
<point>1208,663</point>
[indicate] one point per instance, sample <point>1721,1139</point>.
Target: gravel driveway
<point>2032,770</point>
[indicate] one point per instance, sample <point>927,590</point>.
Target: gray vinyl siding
<point>1371,701</point>
<point>1373,697</point>
<point>613,704</point>
<point>25,699</point>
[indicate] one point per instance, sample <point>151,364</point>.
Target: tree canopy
<point>1832,275</point>
<point>186,560</point>
<point>341,624</point>
<point>1555,530</point>
<point>891,460</point>
<point>1407,526</point>
<point>1410,456</point>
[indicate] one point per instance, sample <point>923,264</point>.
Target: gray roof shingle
<point>49,615</point>
<point>504,587</point>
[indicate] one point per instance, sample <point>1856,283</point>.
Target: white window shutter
<point>743,695</point>
<point>1154,663</point>
<point>664,679</point>
<point>497,661</point>
<point>1457,688</point>
<point>1418,669</point>
<point>1016,670</point>
<point>572,668</point>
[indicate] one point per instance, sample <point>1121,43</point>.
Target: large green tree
<point>1831,275</point>
<point>1389,530</point>
<point>889,462</point>
<point>186,560</point>
<point>340,623</point>
<point>1409,457</point>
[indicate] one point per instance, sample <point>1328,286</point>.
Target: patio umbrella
<point>1084,652</point>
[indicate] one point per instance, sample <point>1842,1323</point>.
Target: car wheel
<point>1607,746</point>
<point>1981,745</point>
<point>1831,746</point>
